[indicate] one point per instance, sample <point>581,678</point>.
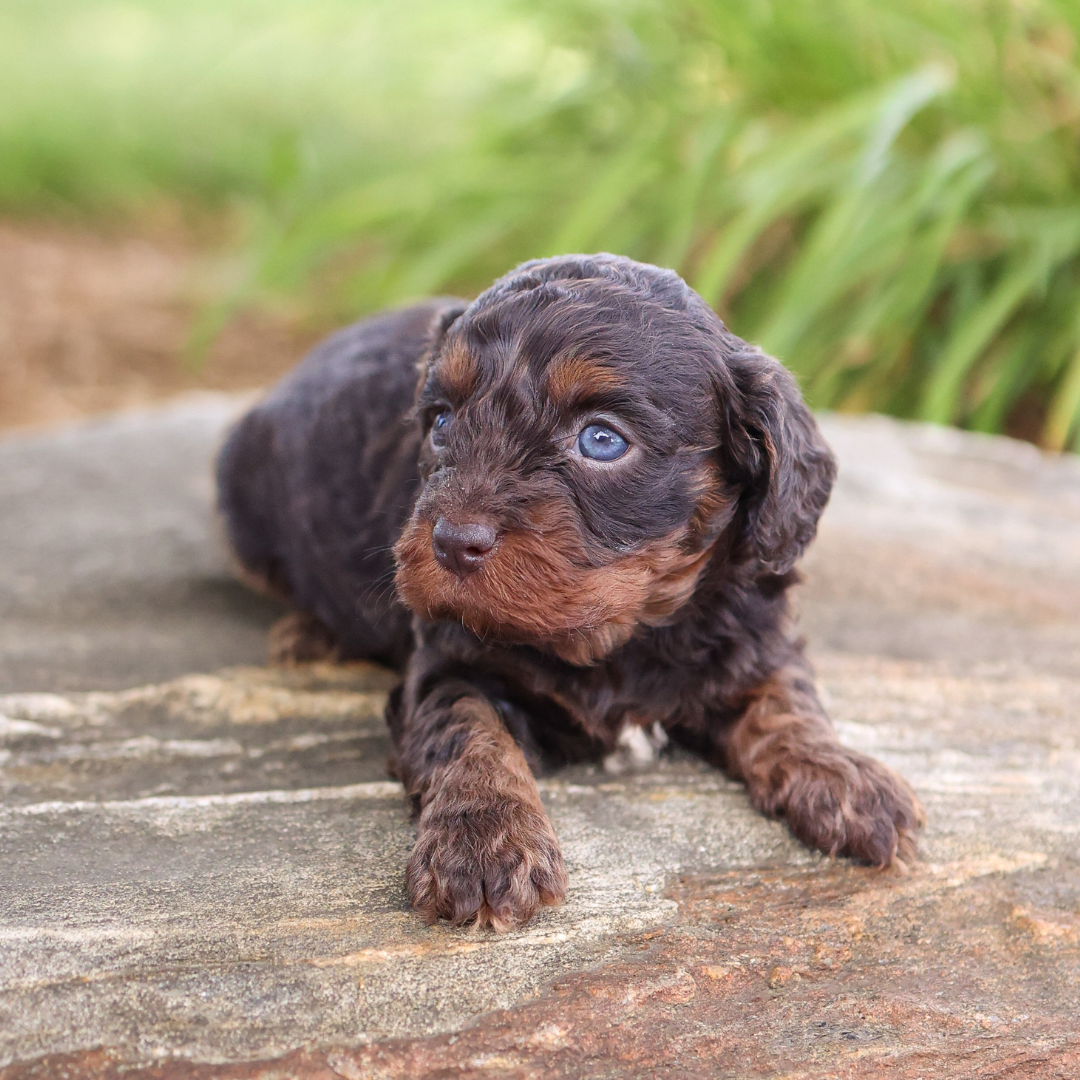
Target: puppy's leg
<point>300,637</point>
<point>832,798</point>
<point>485,848</point>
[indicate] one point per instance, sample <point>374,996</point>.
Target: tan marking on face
<point>576,378</point>
<point>715,506</point>
<point>537,587</point>
<point>457,371</point>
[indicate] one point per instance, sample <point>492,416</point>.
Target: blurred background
<point>883,193</point>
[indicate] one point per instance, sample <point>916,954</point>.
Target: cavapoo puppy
<point>567,509</point>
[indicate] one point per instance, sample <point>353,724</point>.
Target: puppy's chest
<point>603,701</point>
<point>637,686</point>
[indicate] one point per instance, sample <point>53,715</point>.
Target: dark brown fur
<point>484,848</point>
<point>648,591</point>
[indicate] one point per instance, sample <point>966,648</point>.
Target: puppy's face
<point>573,482</point>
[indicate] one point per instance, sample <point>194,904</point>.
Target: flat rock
<point>113,573</point>
<point>203,871</point>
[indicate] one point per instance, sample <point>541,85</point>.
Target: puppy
<point>591,505</point>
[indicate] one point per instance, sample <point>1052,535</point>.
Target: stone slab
<point>947,546</point>
<point>203,872</point>
<point>112,572</point>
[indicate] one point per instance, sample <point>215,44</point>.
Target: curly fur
<point>653,592</point>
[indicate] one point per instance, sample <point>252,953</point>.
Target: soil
<point>92,323</point>
<point>95,322</point>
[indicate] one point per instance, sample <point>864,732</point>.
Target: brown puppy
<point>595,505</point>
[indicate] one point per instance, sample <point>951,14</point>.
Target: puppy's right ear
<point>448,313</point>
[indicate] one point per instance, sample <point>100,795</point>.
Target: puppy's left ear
<point>786,468</point>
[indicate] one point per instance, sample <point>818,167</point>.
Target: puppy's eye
<point>440,425</point>
<point>600,443</point>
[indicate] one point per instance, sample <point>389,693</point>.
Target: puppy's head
<point>591,431</point>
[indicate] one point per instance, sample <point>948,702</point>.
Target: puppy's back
<point>315,482</point>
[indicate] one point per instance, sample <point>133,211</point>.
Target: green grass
<point>884,193</point>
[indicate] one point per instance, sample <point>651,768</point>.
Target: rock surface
<point>112,574</point>
<point>203,872</point>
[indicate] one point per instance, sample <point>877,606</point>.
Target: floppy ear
<point>787,470</point>
<point>449,311</point>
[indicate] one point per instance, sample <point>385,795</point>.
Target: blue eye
<point>601,443</point>
<point>439,426</point>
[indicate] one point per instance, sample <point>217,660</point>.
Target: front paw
<point>843,803</point>
<point>493,861</point>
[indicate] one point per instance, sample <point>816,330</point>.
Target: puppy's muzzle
<point>462,548</point>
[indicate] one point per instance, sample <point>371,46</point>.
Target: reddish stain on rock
<point>833,971</point>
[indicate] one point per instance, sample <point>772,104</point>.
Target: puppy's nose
<point>462,548</point>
